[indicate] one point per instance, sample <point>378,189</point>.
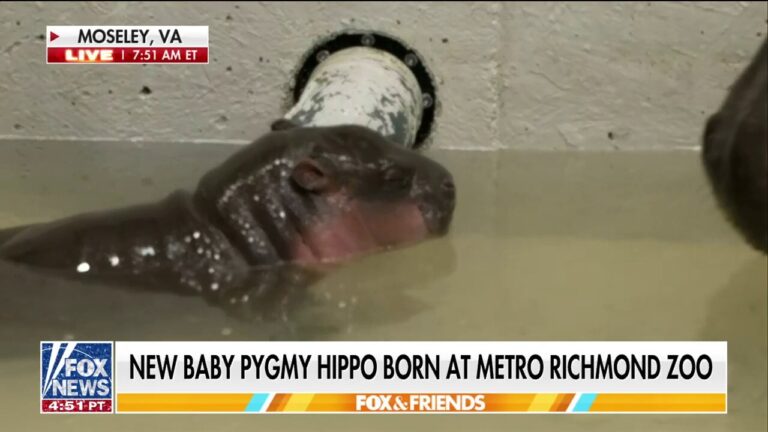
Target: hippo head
<point>327,194</point>
<point>735,152</point>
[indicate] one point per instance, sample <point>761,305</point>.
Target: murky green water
<point>545,246</point>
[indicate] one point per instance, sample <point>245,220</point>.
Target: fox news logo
<point>76,377</point>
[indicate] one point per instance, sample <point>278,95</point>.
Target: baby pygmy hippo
<point>297,198</point>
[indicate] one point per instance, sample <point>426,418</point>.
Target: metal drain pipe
<point>363,86</point>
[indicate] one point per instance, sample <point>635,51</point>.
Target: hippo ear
<point>310,176</point>
<point>283,124</point>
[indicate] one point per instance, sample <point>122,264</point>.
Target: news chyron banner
<point>126,44</point>
<point>383,377</point>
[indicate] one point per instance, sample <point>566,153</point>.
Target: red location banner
<point>128,55</point>
<point>126,44</point>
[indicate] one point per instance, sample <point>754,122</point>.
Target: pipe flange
<point>376,40</point>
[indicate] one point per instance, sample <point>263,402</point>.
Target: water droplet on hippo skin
<point>226,331</point>
<point>146,251</point>
<point>83,267</point>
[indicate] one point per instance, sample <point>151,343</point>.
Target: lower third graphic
<point>76,377</point>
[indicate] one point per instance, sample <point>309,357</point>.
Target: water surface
<point>545,246</point>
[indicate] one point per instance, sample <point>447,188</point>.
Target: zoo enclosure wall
<point>550,76</point>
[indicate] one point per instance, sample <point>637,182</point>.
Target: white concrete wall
<point>518,75</point>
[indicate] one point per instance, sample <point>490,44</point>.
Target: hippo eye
<point>397,178</point>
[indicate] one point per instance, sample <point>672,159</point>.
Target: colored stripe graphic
<point>298,402</point>
<point>257,402</point>
<point>562,403</point>
<point>542,402</point>
<point>622,402</point>
<point>278,402</point>
<point>333,403</point>
<point>407,402</point>
<point>585,402</point>
<point>181,402</point>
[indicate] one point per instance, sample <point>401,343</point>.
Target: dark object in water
<point>269,220</point>
<point>736,152</point>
